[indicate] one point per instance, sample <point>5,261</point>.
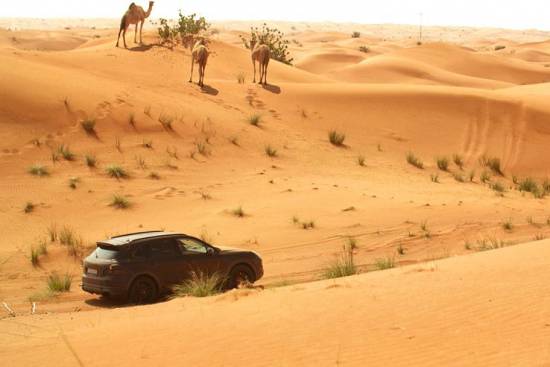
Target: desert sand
<point>448,302</point>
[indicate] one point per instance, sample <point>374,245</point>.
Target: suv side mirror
<point>210,251</point>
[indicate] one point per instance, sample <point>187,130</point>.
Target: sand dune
<point>452,312</point>
<point>434,100</point>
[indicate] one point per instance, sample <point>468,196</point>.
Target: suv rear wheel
<point>143,291</point>
<point>240,275</point>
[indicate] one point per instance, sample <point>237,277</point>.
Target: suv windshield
<point>109,253</point>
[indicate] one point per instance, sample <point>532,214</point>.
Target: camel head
<point>151,3</point>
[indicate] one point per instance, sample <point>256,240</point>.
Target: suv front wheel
<point>240,275</point>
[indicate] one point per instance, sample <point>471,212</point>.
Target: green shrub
<point>88,125</point>
<point>485,176</point>
<point>529,185</point>
<point>200,285</point>
<point>270,151</point>
<point>90,160</point>
<point>272,38</point>
<point>355,34</point>
<point>443,163</point>
<point>38,170</point>
<point>364,49</point>
<point>166,122</point>
<point>184,29</point>
<point>493,164</point>
<point>385,263</point>
<point>58,284</point>
<point>361,160</point>
<point>255,119</point>
<point>414,161</point>
<point>508,225</point>
<point>120,202</point>
<point>336,138</point>
<point>342,266</point>
<point>458,160</point>
<point>498,187</point>
<point>434,178</point>
<point>116,171</point>
<point>238,212</point>
<point>458,177</point>
<point>65,152</point>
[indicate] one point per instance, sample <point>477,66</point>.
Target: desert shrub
<point>254,119</point>
<point>356,34</point>
<point>147,144</point>
<point>200,285</point>
<point>58,283</point>
<point>385,263</point>
<point>29,207</point>
<point>38,170</point>
<point>364,49</point>
<point>166,121</point>
<point>498,187</point>
<point>401,250</point>
<point>241,78</point>
<point>472,175</point>
<point>361,160</point>
<point>270,151</point>
<point>90,160</point>
<point>458,160</point>
<point>443,163</point>
<point>458,177</point>
<point>52,232</point>
<point>73,182</point>
<point>546,186</point>
<point>65,152</point>
<point>185,29</point>
<point>88,125</point>
<point>35,257</point>
<point>238,212</point>
<point>154,176</point>
<point>485,176</point>
<point>528,185</point>
<point>434,178</point>
<point>493,164</point>
<point>414,160</point>
<point>272,38</point>
<point>342,266</point>
<point>508,225</point>
<point>308,225</point>
<point>132,120</point>
<point>120,202</point>
<point>499,47</point>
<point>336,138</point>
<point>116,171</point>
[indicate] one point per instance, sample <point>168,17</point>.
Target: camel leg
<point>203,68</point>
<point>262,72</point>
<point>141,33</point>
<point>254,63</point>
<point>135,33</point>
<point>192,64</point>
<point>265,73</point>
<point>124,36</point>
<point>118,39</point>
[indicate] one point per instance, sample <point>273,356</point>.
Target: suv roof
<point>131,237</point>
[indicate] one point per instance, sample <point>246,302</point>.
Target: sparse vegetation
<point>234,140</point>
<point>352,242</point>
<point>508,225</point>
<point>443,163</point>
<point>132,120</point>
<point>434,178</point>
<point>401,250</point>
<point>272,38</point>
<point>154,176</point>
<point>458,160</point>
<point>147,144</point>
<point>485,176</point>
<point>342,266</point>
<point>118,144</point>
<point>147,111</point>
<point>116,171</point>
<point>29,207</point>
<point>361,160</point>
<point>539,237</point>
<point>308,225</point>
<point>38,170</point>
<point>35,257</point>
<point>90,160</point>
<point>200,285</point>
<point>270,151</point>
<point>255,119</point>
<point>202,148</point>
<point>184,29</point>
<point>385,263</point>
<point>65,152</point>
<point>52,232</point>
<point>336,138</point>
<point>364,49</point>
<point>414,161</point>
<point>172,152</point>
<point>88,125</point>
<point>166,122</point>
<point>356,34</point>
<point>493,164</point>
<point>499,47</point>
<point>73,182</point>
<point>140,161</point>
<point>528,185</point>
<point>472,175</point>
<point>498,187</point>
<point>120,202</point>
<point>238,212</point>
<point>58,283</point>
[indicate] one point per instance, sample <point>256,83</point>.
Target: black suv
<point>141,266</point>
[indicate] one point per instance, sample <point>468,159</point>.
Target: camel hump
<point>132,5</point>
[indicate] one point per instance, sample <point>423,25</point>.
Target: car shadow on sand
<point>275,89</point>
<point>108,302</point>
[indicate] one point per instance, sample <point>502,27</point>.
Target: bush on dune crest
<point>343,266</point>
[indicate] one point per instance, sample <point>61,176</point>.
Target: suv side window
<point>164,248</point>
<point>191,246</point>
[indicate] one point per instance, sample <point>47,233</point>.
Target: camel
<point>262,55</point>
<point>199,55</point>
<point>134,15</point>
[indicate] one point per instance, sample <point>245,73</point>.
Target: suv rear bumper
<point>103,286</point>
